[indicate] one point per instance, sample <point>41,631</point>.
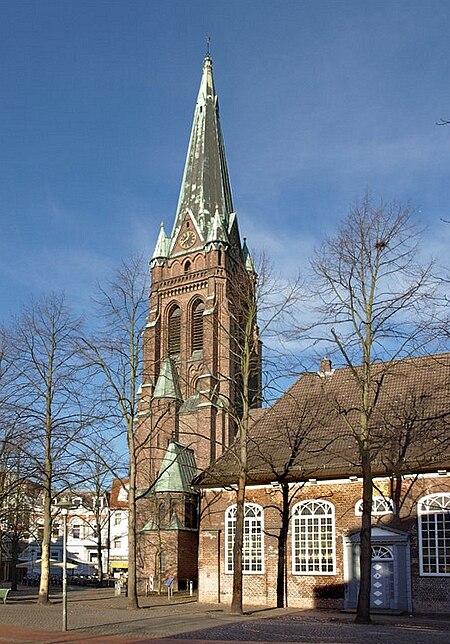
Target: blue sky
<point>320,100</point>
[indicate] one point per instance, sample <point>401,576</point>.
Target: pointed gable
<point>217,234</point>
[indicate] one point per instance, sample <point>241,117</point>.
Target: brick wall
<point>429,593</point>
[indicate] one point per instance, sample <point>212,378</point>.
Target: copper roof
<point>205,187</point>
<point>312,430</point>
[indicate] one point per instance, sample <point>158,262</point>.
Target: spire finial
<point>208,40</point>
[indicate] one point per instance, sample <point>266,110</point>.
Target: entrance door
<point>390,572</point>
<point>382,590</point>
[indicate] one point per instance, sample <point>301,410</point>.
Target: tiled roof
<point>114,502</point>
<point>312,430</point>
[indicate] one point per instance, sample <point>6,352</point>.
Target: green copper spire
<point>205,186</point>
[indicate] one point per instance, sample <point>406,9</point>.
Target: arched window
<point>434,534</point>
<point>197,326</point>
<point>174,336</point>
<point>252,548</point>
<point>313,541</point>
<point>380,505</point>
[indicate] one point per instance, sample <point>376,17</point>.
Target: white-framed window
<point>76,531</point>
<point>434,534</point>
<point>117,518</point>
<point>253,546</point>
<point>313,539</point>
<point>380,505</point>
<point>117,543</point>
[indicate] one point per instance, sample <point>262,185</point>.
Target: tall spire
<point>206,185</point>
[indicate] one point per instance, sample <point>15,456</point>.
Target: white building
<point>118,527</point>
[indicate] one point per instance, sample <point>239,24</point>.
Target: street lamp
<point>65,504</point>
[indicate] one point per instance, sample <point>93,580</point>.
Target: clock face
<point>187,239</point>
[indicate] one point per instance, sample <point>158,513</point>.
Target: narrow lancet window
<point>197,326</point>
<point>174,339</point>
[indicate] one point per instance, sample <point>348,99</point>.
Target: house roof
<point>312,431</point>
<point>115,500</point>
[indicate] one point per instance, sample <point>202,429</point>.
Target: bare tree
<point>373,297</point>
<point>14,468</point>
<point>282,443</point>
<point>48,399</point>
<point>263,305</point>
<point>115,352</point>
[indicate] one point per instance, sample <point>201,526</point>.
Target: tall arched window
<point>434,534</point>
<point>252,549</point>
<point>197,326</point>
<point>313,541</point>
<point>174,335</point>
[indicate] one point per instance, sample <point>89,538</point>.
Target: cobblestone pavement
<point>97,616</point>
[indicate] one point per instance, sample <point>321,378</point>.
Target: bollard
<point>191,588</point>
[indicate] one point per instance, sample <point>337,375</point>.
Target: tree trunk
<point>132,579</point>
<point>45,557</point>
<point>282,541</point>
<point>14,560</point>
<point>365,560</point>
<point>99,555</point>
<point>236,602</point>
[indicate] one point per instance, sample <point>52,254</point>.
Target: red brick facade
<point>428,594</point>
<point>209,374</point>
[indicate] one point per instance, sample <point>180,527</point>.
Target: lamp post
<point>65,503</point>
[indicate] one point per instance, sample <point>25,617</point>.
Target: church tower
<point>200,273</point>
<point>191,394</point>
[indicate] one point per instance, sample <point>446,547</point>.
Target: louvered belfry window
<point>197,326</point>
<point>174,343</point>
